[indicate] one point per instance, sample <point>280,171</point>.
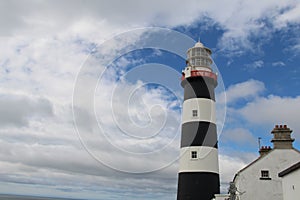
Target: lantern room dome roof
<point>199,44</point>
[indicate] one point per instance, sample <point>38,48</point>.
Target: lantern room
<point>198,62</point>
<point>198,57</point>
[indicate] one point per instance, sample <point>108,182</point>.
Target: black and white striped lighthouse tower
<point>198,165</point>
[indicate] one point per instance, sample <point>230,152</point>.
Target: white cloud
<point>278,64</point>
<point>245,90</point>
<point>245,20</point>
<point>259,110</point>
<point>19,110</point>
<point>290,16</point>
<point>229,165</point>
<point>240,20</point>
<point>255,65</point>
<point>50,145</point>
<point>272,110</point>
<point>239,137</point>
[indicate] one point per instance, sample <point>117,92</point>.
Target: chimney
<point>282,137</point>
<point>264,150</point>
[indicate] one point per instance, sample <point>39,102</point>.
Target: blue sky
<point>91,99</point>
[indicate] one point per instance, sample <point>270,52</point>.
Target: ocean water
<point>20,197</point>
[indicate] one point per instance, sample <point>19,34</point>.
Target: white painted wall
<point>206,110</point>
<point>248,180</point>
<point>207,160</point>
<point>291,185</point>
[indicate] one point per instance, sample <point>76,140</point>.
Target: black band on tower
<point>198,186</point>
<point>199,134</point>
<point>199,87</point>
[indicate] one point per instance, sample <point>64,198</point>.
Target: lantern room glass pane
<point>198,51</point>
<point>193,52</point>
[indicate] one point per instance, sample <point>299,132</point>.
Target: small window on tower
<point>195,113</point>
<point>265,175</point>
<point>193,154</point>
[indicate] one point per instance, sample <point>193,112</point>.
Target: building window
<point>195,113</point>
<point>264,175</point>
<point>194,154</point>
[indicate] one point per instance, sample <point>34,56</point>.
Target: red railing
<point>195,73</point>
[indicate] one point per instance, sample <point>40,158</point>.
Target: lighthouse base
<point>198,185</point>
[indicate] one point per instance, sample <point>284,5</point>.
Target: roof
<point>248,166</point>
<point>260,157</point>
<point>289,170</point>
<point>253,162</point>
<point>199,44</point>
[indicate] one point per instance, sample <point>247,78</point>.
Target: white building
<point>291,182</point>
<point>259,180</point>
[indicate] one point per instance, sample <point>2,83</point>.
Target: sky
<point>90,94</point>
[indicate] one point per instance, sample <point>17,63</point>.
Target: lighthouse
<point>198,177</point>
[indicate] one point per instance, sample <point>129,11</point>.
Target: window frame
<point>265,175</point>
<point>194,155</point>
<point>194,113</point>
